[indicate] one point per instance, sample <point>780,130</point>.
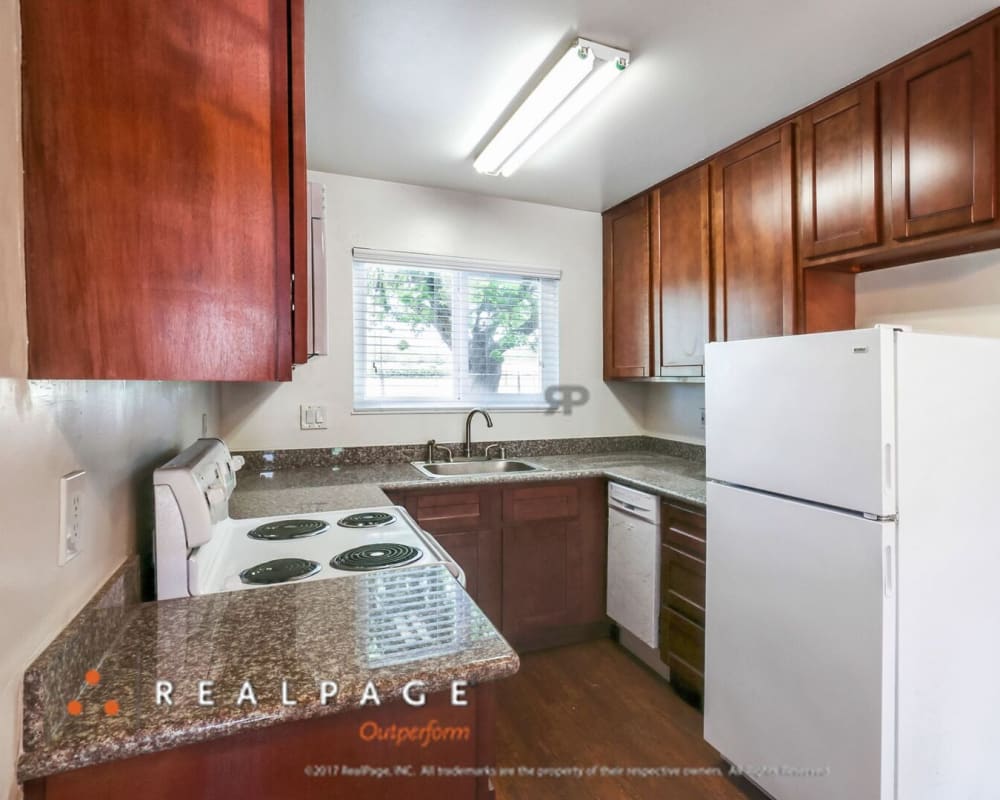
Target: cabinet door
<point>301,240</point>
<point>754,248</point>
<point>543,502</point>
<point>478,554</point>
<point>465,522</point>
<point>440,512</point>
<point>554,563</point>
<point>539,573</point>
<point>627,290</point>
<point>838,195</point>
<point>681,274</point>
<point>158,152</point>
<point>942,118</point>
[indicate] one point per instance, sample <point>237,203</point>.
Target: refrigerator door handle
<point>888,465</point>
<point>888,578</point>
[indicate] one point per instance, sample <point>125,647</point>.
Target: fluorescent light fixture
<point>577,78</point>
<point>574,104</point>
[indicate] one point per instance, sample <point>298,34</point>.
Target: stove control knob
<point>216,495</point>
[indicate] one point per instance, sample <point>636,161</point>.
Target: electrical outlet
<point>312,418</point>
<point>72,513</point>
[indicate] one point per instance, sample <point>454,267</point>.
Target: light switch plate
<point>312,418</point>
<point>72,514</point>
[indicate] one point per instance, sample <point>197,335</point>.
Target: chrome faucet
<point>468,427</point>
<point>501,449</point>
<point>433,446</point>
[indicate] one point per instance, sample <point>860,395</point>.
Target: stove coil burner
<point>367,519</point>
<point>280,570</point>
<point>285,529</point>
<point>375,556</point>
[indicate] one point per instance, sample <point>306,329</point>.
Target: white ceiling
<point>407,90</point>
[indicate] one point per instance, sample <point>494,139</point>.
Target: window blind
<point>439,332</point>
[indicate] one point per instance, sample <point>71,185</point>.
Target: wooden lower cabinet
<point>682,598</point>
<point>540,568</point>
<point>295,759</point>
<point>478,554</point>
<point>464,522</point>
<point>534,554</point>
<point>554,563</point>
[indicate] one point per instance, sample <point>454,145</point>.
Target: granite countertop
<point>294,490</point>
<point>344,630</point>
<point>334,630</point>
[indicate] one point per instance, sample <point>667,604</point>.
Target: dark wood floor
<point>593,704</point>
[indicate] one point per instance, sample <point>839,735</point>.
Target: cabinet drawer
<point>682,584</point>
<point>683,541</point>
<point>536,503</point>
<point>688,681</point>
<point>685,519</point>
<point>684,530</point>
<point>449,511</point>
<point>685,639</point>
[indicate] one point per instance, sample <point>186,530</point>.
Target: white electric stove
<point>200,549</point>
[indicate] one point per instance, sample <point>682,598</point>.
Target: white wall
<point>116,431</point>
<point>673,411</point>
<point>392,216</point>
<point>952,295</point>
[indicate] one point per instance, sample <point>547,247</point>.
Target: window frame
<point>549,285</point>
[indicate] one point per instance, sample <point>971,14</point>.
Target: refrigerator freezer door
<point>799,659</point>
<point>809,416</point>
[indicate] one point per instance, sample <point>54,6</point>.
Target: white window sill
<point>534,409</point>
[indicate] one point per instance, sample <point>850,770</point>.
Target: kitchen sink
<point>450,469</point>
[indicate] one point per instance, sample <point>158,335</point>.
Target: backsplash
<point>257,460</point>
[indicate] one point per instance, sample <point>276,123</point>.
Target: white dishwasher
<point>634,561</point>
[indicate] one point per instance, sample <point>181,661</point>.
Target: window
<point>438,333</point>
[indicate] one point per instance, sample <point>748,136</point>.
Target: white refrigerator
<point>853,564</point>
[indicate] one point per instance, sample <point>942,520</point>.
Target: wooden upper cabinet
<point>299,206</point>
<point>164,176</point>
<point>753,240</point>
<point>839,184</point>
<point>681,274</point>
<point>627,290</point>
<point>942,128</point>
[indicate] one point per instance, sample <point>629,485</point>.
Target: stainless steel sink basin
<point>474,467</point>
